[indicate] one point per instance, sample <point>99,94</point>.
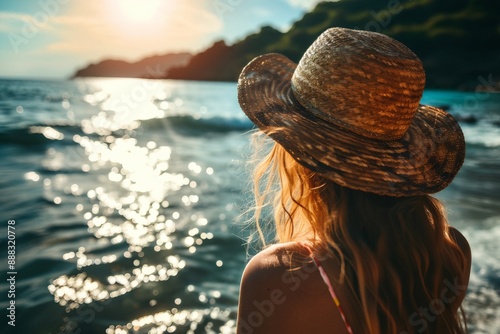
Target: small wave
<point>23,137</point>
<point>191,125</point>
<point>39,134</point>
<point>486,135</point>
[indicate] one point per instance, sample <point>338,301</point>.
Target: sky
<point>53,38</point>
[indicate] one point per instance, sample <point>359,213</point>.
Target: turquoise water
<point>125,194</point>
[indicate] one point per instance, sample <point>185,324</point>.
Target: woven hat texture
<point>350,111</point>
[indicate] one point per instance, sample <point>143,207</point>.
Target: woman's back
<point>283,292</point>
<point>284,275</point>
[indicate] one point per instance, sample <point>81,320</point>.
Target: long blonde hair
<point>395,253</point>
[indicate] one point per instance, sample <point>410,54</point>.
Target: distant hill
<point>151,67</point>
<point>458,41</point>
<point>221,62</point>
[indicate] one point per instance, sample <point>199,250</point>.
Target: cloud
<point>307,4</point>
<point>4,27</point>
<point>65,47</point>
<point>262,12</point>
<point>12,21</point>
<point>10,16</point>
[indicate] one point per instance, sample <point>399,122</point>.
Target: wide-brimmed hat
<point>350,111</point>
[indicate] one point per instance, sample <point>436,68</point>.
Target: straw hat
<point>350,112</point>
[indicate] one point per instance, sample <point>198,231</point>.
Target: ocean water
<point>125,194</point>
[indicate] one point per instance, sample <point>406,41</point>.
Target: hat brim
<point>424,161</point>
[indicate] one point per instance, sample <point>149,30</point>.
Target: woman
<point>362,246</point>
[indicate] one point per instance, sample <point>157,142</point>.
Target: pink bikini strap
<point>328,283</point>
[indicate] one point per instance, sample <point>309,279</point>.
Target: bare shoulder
<point>268,269</point>
<point>282,292</point>
<point>275,259</point>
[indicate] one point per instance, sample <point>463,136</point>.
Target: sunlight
<point>138,11</point>
<point>138,17</point>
